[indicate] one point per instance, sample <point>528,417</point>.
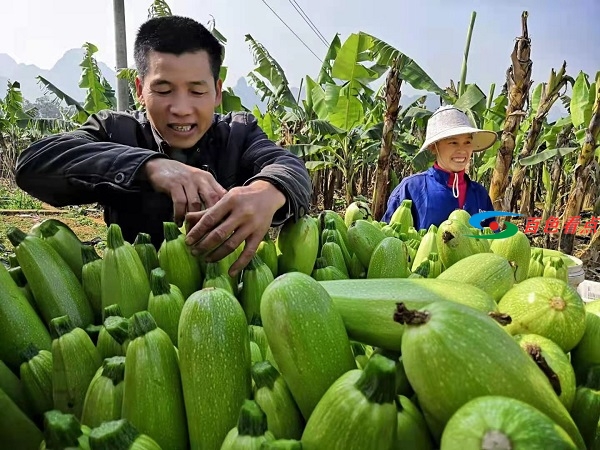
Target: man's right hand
<point>189,188</point>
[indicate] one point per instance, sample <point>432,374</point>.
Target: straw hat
<point>449,121</point>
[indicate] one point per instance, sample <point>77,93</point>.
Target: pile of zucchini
<point>335,336</point>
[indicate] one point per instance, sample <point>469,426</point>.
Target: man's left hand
<point>243,214</point>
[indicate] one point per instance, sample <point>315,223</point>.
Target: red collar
<point>461,174</point>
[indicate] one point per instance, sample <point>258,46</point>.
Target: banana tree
<point>518,80</point>
<point>543,98</point>
<point>588,139</point>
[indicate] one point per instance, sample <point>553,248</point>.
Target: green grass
<point>14,198</point>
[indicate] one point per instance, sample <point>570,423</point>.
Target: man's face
<point>180,96</point>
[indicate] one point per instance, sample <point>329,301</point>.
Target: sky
<point>432,32</point>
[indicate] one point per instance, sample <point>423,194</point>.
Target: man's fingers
<point>194,202</point>
<point>214,236</point>
<point>192,218</point>
<point>179,204</point>
<point>209,220</point>
<point>250,248</point>
<point>230,245</point>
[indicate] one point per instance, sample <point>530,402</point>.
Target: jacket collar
<point>442,177</point>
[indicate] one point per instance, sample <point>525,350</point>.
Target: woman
<point>445,187</point>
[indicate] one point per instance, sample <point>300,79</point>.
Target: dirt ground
<point>87,224</point>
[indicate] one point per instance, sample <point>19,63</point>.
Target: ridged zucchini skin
<point>19,323</point>
<point>255,279</point>
<point>214,357</point>
<point>489,272</point>
<point>273,396</point>
<point>357,411</point>
<point>307,337</point>
<point>75,361</point>
<point>124,279</point>
<point>388,260</point>
<point>16,429</point>
<point>147,252</point>
<point>91,279</point>
<point>56,289</point>
<point>251,430</point>
<point>176,259</point>
<point>14,388</point>
<point>65,242</point>
<point>36,377</point>
<point>104,397</point>
<point>152,393</point>
<point>165,303</point>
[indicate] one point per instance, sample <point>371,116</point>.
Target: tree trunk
<point>365,180</point>
<point>121,53</point>
<point>381,190</point>
<point>582,170</point>
<point>328,193</point>
<point>518,84</point>
<point>550,93</point>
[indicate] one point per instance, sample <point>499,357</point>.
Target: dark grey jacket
<point>101,161</point>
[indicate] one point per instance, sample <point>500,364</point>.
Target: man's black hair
<point>175,35</point>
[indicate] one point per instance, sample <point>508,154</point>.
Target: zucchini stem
<point>405,316</point>
<point>378,380</point>
<point>113,434</point>
<point>158,282</point>
<point>171,231</point>
<point>114,236</point>
<point>59,326</point>
<point>252,420</point>
<point>114,369</point>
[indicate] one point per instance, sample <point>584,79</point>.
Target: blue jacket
<point>433,200</point>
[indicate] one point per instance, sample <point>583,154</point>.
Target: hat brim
<point>482,139</point>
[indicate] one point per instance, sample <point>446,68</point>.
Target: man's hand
<point>243,214</point>
<point>190,188</point>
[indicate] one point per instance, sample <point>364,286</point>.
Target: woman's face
<point>453,153</point>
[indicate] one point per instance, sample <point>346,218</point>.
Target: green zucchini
<point>14,388</point>
<point>496,421</point>
<point>477,357</point>
<point>107,345</point>
<point>357,411</point>
<point>65,242</point>
<point>274,397</point>
<point>56,289</point>
<point>17,430</point>
<point>147,252</point>
<point>91,279</point>
<point>251,430</point>
<point>307,337</point>
<point>152,393</point>
<point>367,306</point>
<point>176,259</point>
<point>19,323</point>
<point>255,279</point>
<point>75,361</point>
<point>165,303</point>
<point>36,377</point>
<point>214,356</point>
<point>104,396</point>
<point>124,279</point>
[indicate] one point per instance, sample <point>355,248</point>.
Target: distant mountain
<point>65,75</point>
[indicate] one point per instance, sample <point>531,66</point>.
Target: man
<point>177,160</point>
